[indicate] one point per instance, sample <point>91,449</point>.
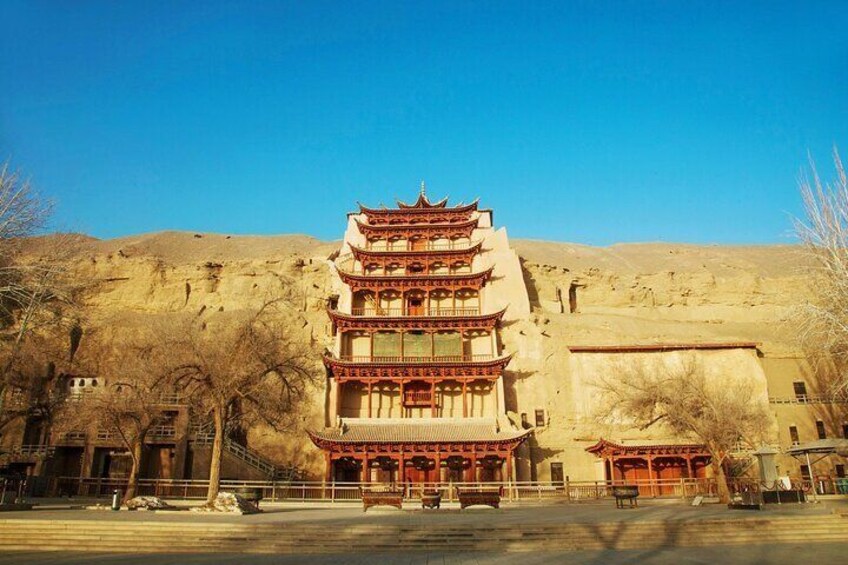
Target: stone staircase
<point>139,535</point>
<point>204,435</point>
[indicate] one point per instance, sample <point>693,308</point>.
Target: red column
<point>338,398</point>
<point>328,461</point>
<point>433,399</point>
<point>464,399</point>
<point>651,474</point>
<point>369,398</point>
<point>402,406</point>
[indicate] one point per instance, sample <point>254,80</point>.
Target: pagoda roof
<point>421,227</point>
<point>423,202</point>
<point>363,252</point>
<point>419,208</point>
<point>459,367</point>
<point>638,447</point>
<point>408,430</point>
<point>470,321</point>
<point>415,281</point>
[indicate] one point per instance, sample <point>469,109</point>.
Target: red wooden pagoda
<point>415,375</point>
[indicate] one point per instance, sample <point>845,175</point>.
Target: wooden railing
<point>447,246</point>
<point>808,399</point>
<point>33,450</point>
<point>162,432</point>
<point>352,268</point>
<point>416,359</point>
<point>565,491</point>
<point>408,312</point>
<point>417,397</point>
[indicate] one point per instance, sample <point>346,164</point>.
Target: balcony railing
<point>413,312</point>
<point>416,358</point>
<point>447,246</point>
<point>34,450</point>
<point>162,432</point>
<point>76,437</point>
<point>351,268</point>
<point>807,399</point>
<point>155,433</point>
<point>417,398</point>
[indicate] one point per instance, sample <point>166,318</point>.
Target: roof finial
<point>423,189</point>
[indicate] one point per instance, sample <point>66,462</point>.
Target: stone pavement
<point>351,513</point>
<point>330,518</point>
<point>778,554</point>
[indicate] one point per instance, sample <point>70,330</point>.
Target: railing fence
<point>568,491</point>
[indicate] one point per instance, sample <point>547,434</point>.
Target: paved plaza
<point>331,516</point>
<point>519,514</point>
<point>779,554</point>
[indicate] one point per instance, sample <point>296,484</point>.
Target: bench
<point>625,492</point>
<point>487,497</point>
<point>382,498</point>
<point>431,499</point>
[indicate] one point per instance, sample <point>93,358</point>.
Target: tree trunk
<point>721,480</point>
<point>132,481</point>
<point>217,454</point>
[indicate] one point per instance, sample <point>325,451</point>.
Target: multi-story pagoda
<point>415,376</point>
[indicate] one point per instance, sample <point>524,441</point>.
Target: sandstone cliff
<point>623,294</point>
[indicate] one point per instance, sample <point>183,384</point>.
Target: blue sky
<point>591,122</point>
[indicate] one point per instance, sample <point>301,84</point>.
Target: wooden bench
<point>431,499</point>
<point>625,492</point>
<point>382,498</point>
<point>487,497</point>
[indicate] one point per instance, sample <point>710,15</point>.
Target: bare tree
<point>133,375</point>
<point>824,233</point>
<point>242,367</point>
<point>677,394</point>
<point>31,380</point>
<point>36,293</point>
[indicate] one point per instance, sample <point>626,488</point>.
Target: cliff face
<point>642,293</point>
<point>624,294</point>
<point>129,281</point>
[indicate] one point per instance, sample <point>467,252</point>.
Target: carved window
<point>820,429</point>
<point>540,418</point>
<point>800,388</point>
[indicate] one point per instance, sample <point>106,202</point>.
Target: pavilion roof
<point>424,202</point>
<point>644,446</point>
<point>407,430</point>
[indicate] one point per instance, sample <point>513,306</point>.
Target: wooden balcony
<point>460,319</point>
<point>414,312</point>
<point>411,246</point>
<point>417,398</point>
<point>406,367</point>
<point>416,359</point>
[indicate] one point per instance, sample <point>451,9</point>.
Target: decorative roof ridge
<point>391,227</point>
<point>460,207</point>
<point>602,443</point>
